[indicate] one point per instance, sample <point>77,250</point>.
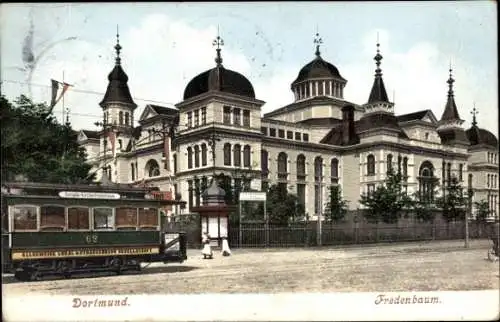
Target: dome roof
<point>219,79</point>
<point>478,136</point>
<point>318,68</point>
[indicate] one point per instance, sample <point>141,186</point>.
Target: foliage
<point>454,202</point>
<point>482,210</point>
<point>425,209</point>
<point>388,202</point>
<point>283,207</point>
<point>38,148</point>
<point>336,207</point>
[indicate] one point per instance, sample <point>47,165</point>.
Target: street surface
<point>424,266</point>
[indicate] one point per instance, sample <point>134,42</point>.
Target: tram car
<point>54,229</point>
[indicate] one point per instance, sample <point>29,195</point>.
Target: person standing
<point>207,249</point>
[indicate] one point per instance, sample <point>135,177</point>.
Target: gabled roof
<point>84,135</point>
<point>152,110</point>
<point>417,116</point>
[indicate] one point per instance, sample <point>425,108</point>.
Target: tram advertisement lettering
<point>83,252</point>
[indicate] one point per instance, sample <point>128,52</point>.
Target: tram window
<point>78,218</point>
<point>52,218</point>
<point>148,218</point>
<point>103,218</point>
<point>25,217</point>
<point>126,218</point>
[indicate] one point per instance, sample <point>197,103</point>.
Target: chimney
<point>347,124</point>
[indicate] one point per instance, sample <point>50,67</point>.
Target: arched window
<point>318,169</point>
<point>334,170</point>
<point>203,155</point>
<point>426,182</point>
<point>120,118</point>
<point>190,157</point>
<point>152,168</point>
<point>237,155</point>
<point>370,166</point>
<point>264,165</point>
<point>126,118</point>
<point>389,163</point>
<point>282,166</point>
<point>196,156</point>
<point>246,156</point>
<point>227,154</point>
<point>301,167</point>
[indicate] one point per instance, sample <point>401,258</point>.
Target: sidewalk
<point>439,245</point>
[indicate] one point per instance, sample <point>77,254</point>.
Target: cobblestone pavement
<point>427,266</point>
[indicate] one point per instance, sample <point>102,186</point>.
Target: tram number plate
<point>91,239</point>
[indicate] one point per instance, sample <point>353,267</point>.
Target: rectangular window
<point>272,132</point>
<point>227,115</point>
<point>52,218</point>
<point>305,136</point>
<point>203,115</point>
<point>196,118</point>
<point>371,189</point>
<point>281,133</point>
<point>246,118</point>
<point>191,194</point>
<point>78,218</point>
<point>190,119</point>
<point>237,116</point>
<point>25,218</point>
<point>460,171</point>
<point>316,199</point>
<point>297,136</point>
<point>197,192</point>
<point>263,130</point>
<point>126,218</point>
<point>148,218</point>
<point>301,193</point>
<point>103,218</point>
<point>289,135</point>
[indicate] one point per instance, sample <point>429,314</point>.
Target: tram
<point>58,229</point>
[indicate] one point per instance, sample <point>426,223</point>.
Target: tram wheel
<point>116,265</point>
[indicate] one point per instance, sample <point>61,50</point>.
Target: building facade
<point>317,141</point>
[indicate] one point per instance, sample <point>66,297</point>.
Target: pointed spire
<point>378,92</point>
<point>318,41</point>
<point>474,112</point>
<point>450,111</point>
<point>218,42</point>
<point>118,48</point>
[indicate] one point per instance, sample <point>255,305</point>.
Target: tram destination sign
<point>252,196</point>
<point>88,195</point>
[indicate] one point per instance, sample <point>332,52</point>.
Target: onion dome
<point>214,195</point>
<point>479,136</point>
<point>318,78</point>
<point>219,79</point>
<point>118,91</point>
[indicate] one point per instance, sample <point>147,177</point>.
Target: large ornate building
<point>318,140</point>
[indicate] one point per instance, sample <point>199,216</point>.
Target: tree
<point>388,202</point>
<point>336,207</point>
<point>482,211</point>
<point>37,147</point>
<point>454,203</point>
<point>283,207</point>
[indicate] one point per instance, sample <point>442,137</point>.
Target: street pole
<point>468,213</point>
<point>240,232</point>
<point>320,213</point>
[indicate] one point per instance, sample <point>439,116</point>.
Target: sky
<point>165,45</point>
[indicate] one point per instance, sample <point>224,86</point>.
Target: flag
<point>55,88</point>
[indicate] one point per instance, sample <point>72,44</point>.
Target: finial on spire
<point>474,112</point>
<point>318,41</point>
<point>450,82</point>
<point>218,42</point>
<point>117,46</point>
<point>378,57</point>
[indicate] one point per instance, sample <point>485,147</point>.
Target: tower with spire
<point>118,111</point>
<point>450,125</point>
<point>378,101</point>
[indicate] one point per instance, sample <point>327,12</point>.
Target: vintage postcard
<point>250,161</point>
